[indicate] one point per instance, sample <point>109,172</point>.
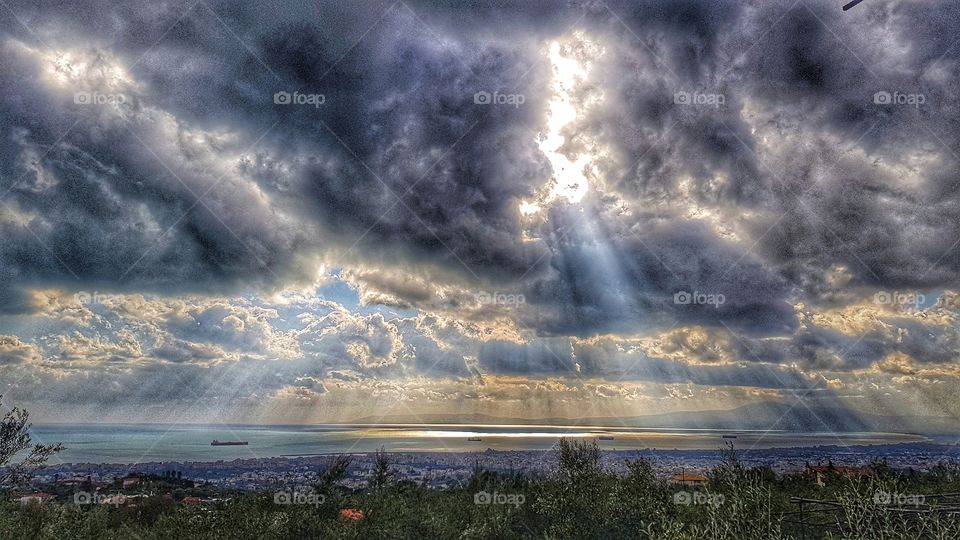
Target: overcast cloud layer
<point>302,213</point>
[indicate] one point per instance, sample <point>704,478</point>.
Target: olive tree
<point>18,453</point>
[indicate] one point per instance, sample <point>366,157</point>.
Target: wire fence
<point>818,518</point>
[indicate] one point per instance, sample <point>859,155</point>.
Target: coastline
<point>448,469</point>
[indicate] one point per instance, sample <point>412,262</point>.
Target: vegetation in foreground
<point>580,501</point>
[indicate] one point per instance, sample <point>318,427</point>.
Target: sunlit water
<point>130,443</point>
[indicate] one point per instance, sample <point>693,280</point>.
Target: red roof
<point>352,514</point>
<point>688,477</point>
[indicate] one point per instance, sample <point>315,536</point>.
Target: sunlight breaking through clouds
<point>164,216</point>
<point>570,63</point>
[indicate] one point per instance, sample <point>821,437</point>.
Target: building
<point>822,473</point>
<point>689,479</point>
<point>40,497</point>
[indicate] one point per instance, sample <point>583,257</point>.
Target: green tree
<point>577,503</point>
<point>382,474</point>
<point>334,471</point>
<point>15,439</point>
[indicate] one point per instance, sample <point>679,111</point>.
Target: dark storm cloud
<point>812,77</point>
<point>90,196</point>
<point>828,349</point>
<point>689,57</point>
<point>621,367</point>
<point>400,119</point>
<point>541,357</point>
<point>608,359</point>
<point>464,165</point>
<point>621,280</point>
<point>924,336</point>
<point>885,227</point>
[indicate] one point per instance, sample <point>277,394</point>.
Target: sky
<point>285,212</point>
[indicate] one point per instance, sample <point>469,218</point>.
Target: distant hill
<point>768,415</point>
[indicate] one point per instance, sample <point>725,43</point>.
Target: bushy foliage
<point>19,455</point>
<point>581,500</point>
<point>888,506</point>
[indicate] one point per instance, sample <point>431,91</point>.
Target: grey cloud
<point>15,351</point>
<point>540,357</point>
<point>787,164</point>
<point>619,279</point>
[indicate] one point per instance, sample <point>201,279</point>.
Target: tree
<point>577,502</point>
<point>381,475</point>
<point>579,461</point>
<point>335,471</point>
<point>15,438</point>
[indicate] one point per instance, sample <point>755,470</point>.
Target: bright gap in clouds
<point>569,180</point>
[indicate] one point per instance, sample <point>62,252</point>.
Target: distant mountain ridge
<point>759,416</point>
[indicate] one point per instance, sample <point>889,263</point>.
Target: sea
<point>143,443</point>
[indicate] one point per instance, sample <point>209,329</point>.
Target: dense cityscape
<point>451,469</point>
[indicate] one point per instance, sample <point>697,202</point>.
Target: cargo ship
<point>228,443</point>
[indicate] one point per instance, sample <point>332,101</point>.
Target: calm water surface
<point>131,443</point>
